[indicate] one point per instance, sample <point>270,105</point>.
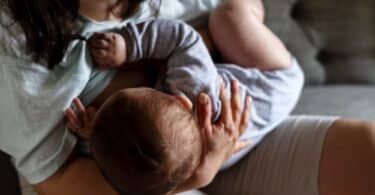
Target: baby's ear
<point>185,101</point>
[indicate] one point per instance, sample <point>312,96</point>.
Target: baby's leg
<point>238,32</point>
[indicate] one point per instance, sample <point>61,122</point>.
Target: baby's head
<point>145,141</point>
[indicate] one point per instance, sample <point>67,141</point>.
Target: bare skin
<point>238,32</point>
<point>346,164</point>
<point>108,49</point>
<point>348,159</point>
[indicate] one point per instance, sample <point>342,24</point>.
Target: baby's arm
<point>190,68</point>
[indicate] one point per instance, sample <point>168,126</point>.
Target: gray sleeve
<point>190,68</point>
<point>274,93</point>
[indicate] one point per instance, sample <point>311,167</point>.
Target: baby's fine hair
<point>145,147</point>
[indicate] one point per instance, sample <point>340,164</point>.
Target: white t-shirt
<point>33,98</point>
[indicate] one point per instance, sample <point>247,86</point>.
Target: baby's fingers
<point>73,129</point>
<point>83,115</point>
<point>73,121</point>
<point>91,113</point>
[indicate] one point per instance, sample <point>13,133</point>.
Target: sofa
<point>334,41</point>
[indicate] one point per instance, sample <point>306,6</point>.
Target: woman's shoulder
<point>12,37</point>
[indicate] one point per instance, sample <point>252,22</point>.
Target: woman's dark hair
<point>49,24</point>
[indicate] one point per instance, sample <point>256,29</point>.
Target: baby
<point>146,141</point>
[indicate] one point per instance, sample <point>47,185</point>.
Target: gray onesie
<point>191,70</point>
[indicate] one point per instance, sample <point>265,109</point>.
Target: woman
<point>42,149</point>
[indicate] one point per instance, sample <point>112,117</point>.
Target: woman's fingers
<point>204,114</point>
<point>236,102</point>
<point>204,120</point>
<point>226,111</point>
<point>241,145</point>
<point>245,115</point>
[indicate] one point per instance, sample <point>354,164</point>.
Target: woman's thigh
<point>286,162</point>
<point>348,159</point>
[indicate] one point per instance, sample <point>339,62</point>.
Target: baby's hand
<point>108,49</point>
<point>81,125</point>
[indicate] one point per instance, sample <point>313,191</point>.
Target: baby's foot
<point>108,49</point>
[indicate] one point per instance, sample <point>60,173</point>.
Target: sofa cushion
<point>279,19</point>
<point>340,33</point>
<point>343,30</point>
<point>345,100</point>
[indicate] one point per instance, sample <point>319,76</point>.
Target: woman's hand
<point>220,139</point>
<point>222,136</point>
<point>80,125</point>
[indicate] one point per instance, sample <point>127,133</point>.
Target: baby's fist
<point>108,49</point>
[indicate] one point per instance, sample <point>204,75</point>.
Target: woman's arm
<point>79,176</point>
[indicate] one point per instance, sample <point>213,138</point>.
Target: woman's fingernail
<point>234,83</point>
